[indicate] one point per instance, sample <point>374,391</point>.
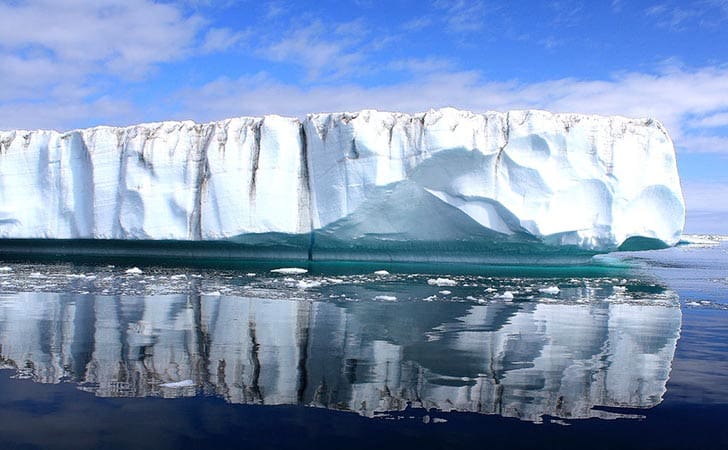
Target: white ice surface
<point>566,179</point>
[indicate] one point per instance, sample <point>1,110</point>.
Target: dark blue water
<point>633,355</point>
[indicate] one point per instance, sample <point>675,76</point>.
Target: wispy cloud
<point>222,39</point>
<point>680,15</point>
<point>463,16</point>
<point>566,12</point>
<point>711,121</point>
<point>323,51</point>
<point>417,24</point>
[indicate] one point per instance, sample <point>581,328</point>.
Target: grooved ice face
<point>359,180</point>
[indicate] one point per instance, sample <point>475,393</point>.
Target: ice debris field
<point>292,283</point>
<point>346,185</point>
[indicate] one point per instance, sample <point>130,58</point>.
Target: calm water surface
<point>633,354</point>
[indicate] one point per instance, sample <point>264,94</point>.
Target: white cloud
<point>711,121</point>
<point>323,52</point>
<point>63,60</point>
<point>221,39</point>
<point>126,36</point>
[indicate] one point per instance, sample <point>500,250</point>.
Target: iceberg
<point>441,185</point>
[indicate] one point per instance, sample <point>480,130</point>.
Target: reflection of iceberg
<point>520,360</point>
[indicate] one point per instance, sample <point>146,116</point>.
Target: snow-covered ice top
<point>441,176</point>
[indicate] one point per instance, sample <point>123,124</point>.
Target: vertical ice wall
<point>565,179</point>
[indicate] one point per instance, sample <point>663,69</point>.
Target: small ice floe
<point>307,284</point>
<point>178,277</point>
<point>290,270</point>
<point>441,282</point>
<point>250,274</point>
<point>212,293</point>
<point>381,272</point>
<point>6,269</point>
<point>36,275</point>
<point>178,384</point>
<point>445,292</point>
<point>385,298</point>
<point>619,289</point>
<point>134,271</point>
<point>507,295</point>
<point>553,290</point>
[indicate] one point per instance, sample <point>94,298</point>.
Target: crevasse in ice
<point>444,179</point>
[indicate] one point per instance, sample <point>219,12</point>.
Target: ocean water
<point>629,352</point>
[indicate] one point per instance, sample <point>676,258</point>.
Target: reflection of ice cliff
<point>515,359</point>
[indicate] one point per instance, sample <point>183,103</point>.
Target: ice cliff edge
<point>391,181</point>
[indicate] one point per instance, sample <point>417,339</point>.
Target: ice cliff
<point>440,181</point>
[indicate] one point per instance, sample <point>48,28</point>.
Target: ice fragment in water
<point>441,282</point>
<point>550,290</point>
<point>290,270</point>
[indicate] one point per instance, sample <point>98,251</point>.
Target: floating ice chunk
<point>178,384</point>
<point>212,293</point>
<point>550,290</point>
<point>445,292</point>
<point>507,295</point>
<point>307,284</point>
<point>441,282</point>
<point>134,271</point>
<point>386,298</point>
<point>381,272</point>
<point>290,270</point>
<point>6,269</point>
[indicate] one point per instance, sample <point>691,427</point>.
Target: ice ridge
<point>394,182</point>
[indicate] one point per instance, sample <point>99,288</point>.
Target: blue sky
<point>72,64</point>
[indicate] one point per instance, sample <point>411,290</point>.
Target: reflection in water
<point>520,360</point>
